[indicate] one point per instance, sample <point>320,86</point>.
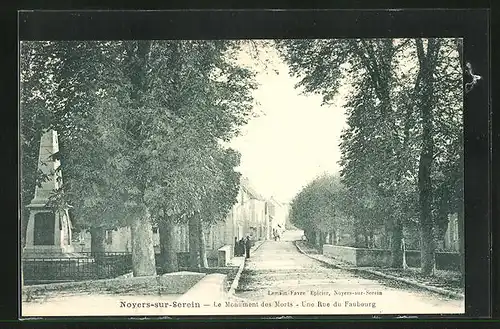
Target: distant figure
<point>236,247</point>
<point>241,247</point>
<point>276,235</point>
<point>248,245</point>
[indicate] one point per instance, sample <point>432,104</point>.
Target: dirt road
<point>277,271</point>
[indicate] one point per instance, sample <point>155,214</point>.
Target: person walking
<point>241,247</point>
<point>236,247</point>
<point>248,245</point>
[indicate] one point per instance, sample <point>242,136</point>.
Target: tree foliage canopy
<point>140,123</point>
<point>391,82</point>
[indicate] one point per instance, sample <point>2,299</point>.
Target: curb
<point>236,280</point>
<point>386,276</point>
<point>258,246</point>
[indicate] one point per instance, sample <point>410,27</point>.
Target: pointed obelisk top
<point>49,145</point>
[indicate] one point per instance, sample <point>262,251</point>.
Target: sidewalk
<point>241,261</point>
<point>410,276</point>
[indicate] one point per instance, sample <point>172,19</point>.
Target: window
<point>155,230</point>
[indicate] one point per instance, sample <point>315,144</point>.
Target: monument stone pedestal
<point>48,233</point>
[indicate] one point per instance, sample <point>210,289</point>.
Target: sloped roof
<point>247,186</point>
<point>279,203</point>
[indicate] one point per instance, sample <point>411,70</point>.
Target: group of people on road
<point>242,247</point>
<point>276,235</point>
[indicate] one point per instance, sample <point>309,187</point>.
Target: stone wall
<point>373,257</point>
<point>346,254</point>
<point>382,257</point>
<point>445,260</point>
<point>224,255</point>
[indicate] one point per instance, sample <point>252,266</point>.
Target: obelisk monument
<point>48,232</point>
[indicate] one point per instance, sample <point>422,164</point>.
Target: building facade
<point>277,216</point>
<point>248,217</point>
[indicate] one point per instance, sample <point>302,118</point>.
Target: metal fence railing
<point>90,266</point>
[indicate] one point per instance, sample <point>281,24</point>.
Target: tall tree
<point>319,208</point>
<point>373,122</point>
<point>59,90</point>
<point>210,100</point>
<point>427,61</point>
<point>133,123</point>
<point>405,102</point>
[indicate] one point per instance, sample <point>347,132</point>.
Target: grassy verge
<point>123,287</point>
<point>449,280</point>
<point>308,248</point>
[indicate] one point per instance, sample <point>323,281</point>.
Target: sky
<point>294,139</point>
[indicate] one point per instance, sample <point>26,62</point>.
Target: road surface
<point>278,272</point>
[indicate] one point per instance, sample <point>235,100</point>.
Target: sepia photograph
<point>242,177</point>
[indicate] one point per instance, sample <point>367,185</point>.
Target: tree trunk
<point>321,240</point>
<point>441,219</point>
<point>396,240</point>
<point>97,243</point>
<point>202,244</point>
<point>312,235</point>
<point>168,250</point>
<point>194,263</point>
<point>427,64</point>
<point>357,240</point>
<point>426,249</point>
<point>425,201</point>
<point>385,240</point>
<point>143,252</point>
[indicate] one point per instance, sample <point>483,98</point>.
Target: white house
<point>277,215</point>
<point>249,214</point>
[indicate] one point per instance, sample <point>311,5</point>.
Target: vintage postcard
<point>242,177</point>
